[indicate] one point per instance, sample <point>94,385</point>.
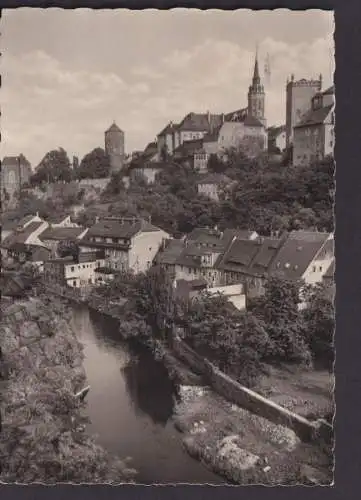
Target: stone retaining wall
<point>250,400</point>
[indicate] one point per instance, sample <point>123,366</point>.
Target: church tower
<point>256,96</point>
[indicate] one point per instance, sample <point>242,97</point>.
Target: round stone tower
<point>114,147</point>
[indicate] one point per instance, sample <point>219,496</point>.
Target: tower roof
<point>113,128</point>
<point>256,77</point>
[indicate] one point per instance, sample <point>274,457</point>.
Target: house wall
<point>211,147</point>
<point>65,223</point>
<point>144,248</point>
<point>96,183</point>
<point>308,144</point>
<point>230,135</point>
<point>316,270</point>
<point>81,274</point>
<point>148,174</point>
<point>280,141</point>
<point>188,135</point>
<point>209,190</point>
<point>210,275</point>
<point>200,162</point>
<point>234,293</point>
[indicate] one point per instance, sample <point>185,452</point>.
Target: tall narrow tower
<point>114,147</point>
<point>256,95</point>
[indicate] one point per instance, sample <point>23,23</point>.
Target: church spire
<point>256,78</point>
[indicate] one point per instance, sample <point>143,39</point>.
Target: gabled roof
<point>213,179</point>
<point>168,129</point>
<point>119,228</point>
<point>56,219</point>
<point>315,117</point>
<point>189,147</point>
<point>14,161</point>
<point>205,236</point>
<point>191,255</point>
<point>200,122</point>
<point>20,236</point>
<point>61,233</point>
<point>297,252</point>
<point>252,121</point>
<point>171,252</point>
<point>241,234</point>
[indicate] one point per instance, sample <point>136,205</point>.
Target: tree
<point>68,248</point>
<point>115,185</point>
<point>95,164</point>
<point>279,309</point>
<point>54,167</point>
<point>319,316</point>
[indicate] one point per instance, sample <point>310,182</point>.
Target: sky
<point>68,74</point>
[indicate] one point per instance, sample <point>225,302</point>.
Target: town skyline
<point>68,98</point>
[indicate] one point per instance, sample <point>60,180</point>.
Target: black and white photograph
<point>167,247</point>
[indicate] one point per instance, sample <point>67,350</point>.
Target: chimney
<point>208,117</point>
<point>222,117</point>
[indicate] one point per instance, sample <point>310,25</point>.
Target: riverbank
<point>43,436</point>
<point>245,448</point>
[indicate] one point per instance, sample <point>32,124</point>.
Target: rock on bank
<point>43,436</point>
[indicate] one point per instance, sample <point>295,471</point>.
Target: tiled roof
<point>236,116</point>
<point>20,236</point>
<point>212,136</point>
<point>315,117</point>
<point>56,219</point>
<point>242,234</point>
<point>213,179</point>
<point>189,147</point>
<point>168,129</point>
<point>252,121</point>
<point>205,236</point>
<point>61,233</point>
<point>116,228</point>
<point>191,255</point>
<point>171,252</point>
<point>297,253</point>
<point>251,257</point>
<point>14,161</point>
<point>199,122</point>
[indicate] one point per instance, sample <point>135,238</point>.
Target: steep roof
<point>113,128</point>
<point>20,236</point>
<point>251,257</point>
<point>315,117</point>
<point>252,121</point>
<point>61,233</point>
<point>297,253</point>
<point>189,147</point>
<point>119,228</point>
<point>191,255</point>
<point>168,129</point>
<point>242,234</point>
<point>200,122</point>
<point>171,252</point>
<point>205,236</point>
<point>14,161</point>
<point>56,219</point>
<point>35,253</point>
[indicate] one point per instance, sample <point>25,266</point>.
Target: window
<point>320,268</point>
<point>313,269</point>
<point>74,283</point>
<point>189,270</point>
<point>83,266</point>
<point>72,269</point>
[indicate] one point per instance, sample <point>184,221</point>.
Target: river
<point>130,405</point>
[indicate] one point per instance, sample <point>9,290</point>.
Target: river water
<point>130,405</point>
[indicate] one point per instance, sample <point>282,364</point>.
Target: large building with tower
<point>114,147</point>
<point>298,101</point>
<point>256,96</point>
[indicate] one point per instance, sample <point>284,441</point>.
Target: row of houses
<point>233,262</point>
<point>209,259</point>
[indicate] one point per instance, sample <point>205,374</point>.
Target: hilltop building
<point>256,96</point>
<point>298,98</point>
<point>114,147</point>
<point>314,136</point>
<point>15,172</point>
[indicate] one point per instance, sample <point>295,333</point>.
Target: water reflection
<point>130,405</point>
